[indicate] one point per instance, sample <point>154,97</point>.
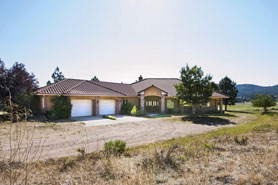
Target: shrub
<point>109,117</point>
<point>170,111</point>
<point>126,109</point>
<point>61,108</point>
<point>30,101</point>
<point>136,112</point>
<point>116,147</point>
<point>242,141</point>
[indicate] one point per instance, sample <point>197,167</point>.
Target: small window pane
<point>170,104</point>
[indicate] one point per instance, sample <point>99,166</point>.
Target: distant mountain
<point>250,90</point>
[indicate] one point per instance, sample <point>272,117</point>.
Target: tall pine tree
<point>228,87</point>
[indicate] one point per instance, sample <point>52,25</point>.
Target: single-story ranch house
<point>154,95</point>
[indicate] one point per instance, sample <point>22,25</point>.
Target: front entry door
<point>153,104</point>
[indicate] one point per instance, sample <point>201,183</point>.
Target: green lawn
<point>247,107</point>
<point>259,123</point>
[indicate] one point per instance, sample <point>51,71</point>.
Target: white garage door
<point>81,108</point>
<point>106,107</point>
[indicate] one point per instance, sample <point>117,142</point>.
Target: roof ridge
<point>105,87</point>
<point>154,79</point>
<point>112,82</point>
<point>48,86</point>
<point>74,87</point>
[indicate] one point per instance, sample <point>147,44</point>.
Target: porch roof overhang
<point>216,95</point>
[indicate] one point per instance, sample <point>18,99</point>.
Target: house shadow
<point>206,120</point>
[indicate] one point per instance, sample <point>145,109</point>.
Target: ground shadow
<point>270,113</point>
<point>203,120</point>
<point>244,112</point>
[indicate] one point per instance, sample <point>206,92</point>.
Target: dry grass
<point>211,158</point>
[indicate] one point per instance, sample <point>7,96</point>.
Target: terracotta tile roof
<point>78,87</point>
<point>92,88</point>
<point>126,89</point>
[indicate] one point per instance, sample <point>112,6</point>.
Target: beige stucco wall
<point>132,100</point>
<point>152,91</point>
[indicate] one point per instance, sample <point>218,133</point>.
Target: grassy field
<point>246,153</point>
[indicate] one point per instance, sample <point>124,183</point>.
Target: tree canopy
<point>264,101</point>
<point>228,87</point>
<point>95,78</point>
<point>16,80</point>
<point>195,88</point>
<point>57,76</point>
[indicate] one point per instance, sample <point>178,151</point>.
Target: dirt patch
<point>62,139</point>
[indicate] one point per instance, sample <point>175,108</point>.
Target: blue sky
<point>120,40</point>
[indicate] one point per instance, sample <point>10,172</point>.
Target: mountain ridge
<point>250,90</point>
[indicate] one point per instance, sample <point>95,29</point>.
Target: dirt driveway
<point>62,139</point>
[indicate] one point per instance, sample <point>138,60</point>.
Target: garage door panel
<point>81,108</point>
<point>106,107</point>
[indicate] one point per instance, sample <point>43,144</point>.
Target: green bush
<point>109,117</point>
<point>30,101</point>
<point>126,109</point>
<point>61,108</point>
<point>136,112</point>
<point>116,147</point>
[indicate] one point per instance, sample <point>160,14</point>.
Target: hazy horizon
<point>119,40</point>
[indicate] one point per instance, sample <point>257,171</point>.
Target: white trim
<point>142,93</point>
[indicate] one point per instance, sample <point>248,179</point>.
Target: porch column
<point>142,102</point>
<point>182,108</point>
<point>118,106</point>
<point>43,103</point>
<point>162,103</point>
<point>221,106</point>
<point>97,106</point>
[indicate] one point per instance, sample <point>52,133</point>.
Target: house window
<point>125,101</point>
<point>170,104</point>
<point>154,103</point>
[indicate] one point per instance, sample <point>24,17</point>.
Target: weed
<point>182,158</point>
<point>116,147</point>
<point>208,147</point>
<point>81,151</point>
<point>167,160</point>
<point>242,141</point>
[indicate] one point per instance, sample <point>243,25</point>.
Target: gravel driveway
<point>64,138</point>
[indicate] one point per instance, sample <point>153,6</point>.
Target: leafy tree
<point>16,80</point>
<point>3,76</point>
<point>228,87</point>
<point>95,78</point>
<point>264,101</point>
<point>195,88</point>
<point>57,76</point>
<point>48,82</point>
<point>215,86</point>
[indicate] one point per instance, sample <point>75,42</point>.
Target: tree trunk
<point>193,109</point>
<point>265,109</point>
<point>226,107</point>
